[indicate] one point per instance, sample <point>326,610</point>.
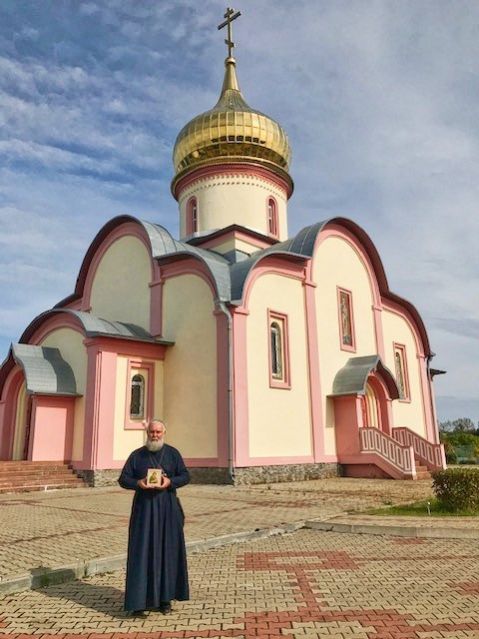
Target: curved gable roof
<point>31,355</point>
<point>94,326</point>
<point>302,246</point>
<point>162,245</point>
<point>352,378</point>
<point>46,372</point>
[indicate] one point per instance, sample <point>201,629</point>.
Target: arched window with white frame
<point>272,217</point>
<point>192,216</point>
<point>279,366</point>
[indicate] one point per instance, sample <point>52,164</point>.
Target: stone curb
<point>40,577</point>
<point>392,530</point>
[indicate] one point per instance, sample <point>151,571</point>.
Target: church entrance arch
<point>370,408</point>
<point>22,417</point>
<point>376,405</point>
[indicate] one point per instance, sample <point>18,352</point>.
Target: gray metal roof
<point>300,246</point>
<point>230,278</point>
<point>164,245</point>
<point>46,372</point>
<point>352,378</point>
<point>96,326</point>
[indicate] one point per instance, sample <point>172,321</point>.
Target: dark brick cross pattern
<point>300,568</point>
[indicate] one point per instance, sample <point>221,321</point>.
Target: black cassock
<point>156,568</point>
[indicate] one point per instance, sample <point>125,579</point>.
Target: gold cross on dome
<point>230,15</point>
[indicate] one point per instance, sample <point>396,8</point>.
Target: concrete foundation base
<point>99,478</point>
<point>242,476</point>
<point>287,472</point>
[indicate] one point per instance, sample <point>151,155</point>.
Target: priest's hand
<point>165,483</point>
<point>141,483</point>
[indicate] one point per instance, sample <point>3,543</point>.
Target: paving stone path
<point>304,585</point>
<point>52,529</point>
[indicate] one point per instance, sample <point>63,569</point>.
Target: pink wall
<point>51,432</point>
<point>101,394</point>
<point>348,420</point>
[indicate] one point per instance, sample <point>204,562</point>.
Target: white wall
<point>279,418</point>
<point>190,376</point>
<point>229,199</point>
<point>337,263</point>
<point>120,288</point>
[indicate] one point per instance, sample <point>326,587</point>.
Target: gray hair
<point>156,420</point>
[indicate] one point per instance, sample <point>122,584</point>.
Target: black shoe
<point>141,614</point>
<point>165,607</point>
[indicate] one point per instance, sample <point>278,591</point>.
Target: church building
<point>269,357</point>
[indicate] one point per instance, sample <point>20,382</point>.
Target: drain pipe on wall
<point>429,358</point>
<point>229,319</point>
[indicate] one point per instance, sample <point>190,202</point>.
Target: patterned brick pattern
<point>57,528</point>
<point>466,587</point>
<point>305,585</point>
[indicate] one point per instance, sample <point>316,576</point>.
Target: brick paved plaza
<point>306,584</point>
<point>57,528</point>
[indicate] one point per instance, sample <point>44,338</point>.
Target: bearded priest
<point>156,569</point>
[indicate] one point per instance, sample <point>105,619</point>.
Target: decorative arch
<point>114,229</point>
<point>365,247</point>
<point>9,392</point>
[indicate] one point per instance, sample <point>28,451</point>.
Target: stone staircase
<point>25,476</point>
<point>422,472</point>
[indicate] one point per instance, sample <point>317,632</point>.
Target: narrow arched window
<point>279,364</point>
<point>400,365</point>
<point>346,322</point>
<point>137,400</point>
<point>272,217</point>
<point>276,351</point>
<point>192,216</point>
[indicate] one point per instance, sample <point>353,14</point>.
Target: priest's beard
<point>154,446</point>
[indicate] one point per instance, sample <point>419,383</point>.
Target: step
<point>36,469</point>
<point>423,475</point>
<point>47,479</point>
<point>14,487</point>
<point>39,487</point>
<point>37,472</point>
<point>28,462</point>
<point>65,472</point>
<point>23,476</point>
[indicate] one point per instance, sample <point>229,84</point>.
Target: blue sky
<point>380,100</point>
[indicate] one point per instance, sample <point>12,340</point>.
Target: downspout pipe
<point>429,358</point>
<point>229,320</point>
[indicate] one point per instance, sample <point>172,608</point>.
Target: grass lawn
<point>420,509</point>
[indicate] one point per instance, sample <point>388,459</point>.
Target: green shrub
<point>457,489</point>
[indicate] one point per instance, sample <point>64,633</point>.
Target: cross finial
<point>230,15</point>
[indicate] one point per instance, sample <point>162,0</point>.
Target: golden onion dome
<point>231,132</point>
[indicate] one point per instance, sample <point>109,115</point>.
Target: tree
<point>463,425</point>
<point>446,427</point>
